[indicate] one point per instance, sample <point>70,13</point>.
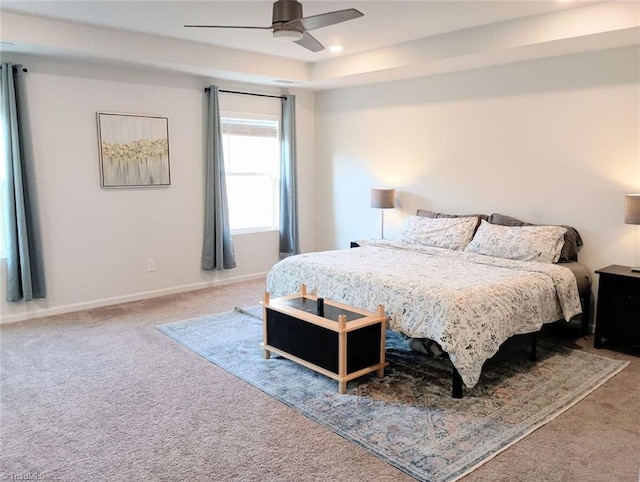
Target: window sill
<point>236,232</point>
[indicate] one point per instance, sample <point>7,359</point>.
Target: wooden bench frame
<point>342,328</point>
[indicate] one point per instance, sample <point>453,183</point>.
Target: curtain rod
<point>248,93</point>
<point>16,68</point>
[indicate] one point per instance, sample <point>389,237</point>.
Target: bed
<point>469,303</point>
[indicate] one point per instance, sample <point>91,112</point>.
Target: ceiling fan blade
<point>324,19</point>
<point>229,26</point>
<point>309,42</point>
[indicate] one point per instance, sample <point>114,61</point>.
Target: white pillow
<point>450,233</point>
<point>523,243</point>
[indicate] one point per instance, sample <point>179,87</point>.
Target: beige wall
<point>548,141</point>
<point>97,241</point>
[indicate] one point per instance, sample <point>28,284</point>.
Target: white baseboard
<point>36,312</point>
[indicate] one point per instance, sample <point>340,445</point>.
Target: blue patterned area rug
<point>408,418</point>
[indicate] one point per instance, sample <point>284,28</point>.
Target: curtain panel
<point>218,252</point>
<point>25,266</point>
<point>289,241</point>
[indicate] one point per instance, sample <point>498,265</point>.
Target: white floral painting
<point>134,150</point>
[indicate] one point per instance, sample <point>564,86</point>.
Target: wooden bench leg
<point>457,384</point>
<point>342,387</point>
<point>383,341</point>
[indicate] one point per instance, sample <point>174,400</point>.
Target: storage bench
<point>336,340</point>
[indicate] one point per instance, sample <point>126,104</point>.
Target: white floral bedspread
<point>469,303</point>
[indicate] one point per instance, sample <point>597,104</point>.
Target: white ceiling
<point>385,23</point>
<point>394,39</point>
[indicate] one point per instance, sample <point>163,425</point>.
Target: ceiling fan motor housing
<point>285,11</point>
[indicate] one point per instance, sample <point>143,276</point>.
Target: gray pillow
<point>432,214</point>
<point>572,238</point>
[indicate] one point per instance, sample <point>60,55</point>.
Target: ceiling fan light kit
<point>287,35</point>
<point>288,23</point>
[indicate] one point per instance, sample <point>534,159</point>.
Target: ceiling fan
<point>289,24</point>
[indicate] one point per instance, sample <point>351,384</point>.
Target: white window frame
<point>276,179</point>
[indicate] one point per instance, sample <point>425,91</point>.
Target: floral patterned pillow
<point>450,233</point>
<point>523,243</point>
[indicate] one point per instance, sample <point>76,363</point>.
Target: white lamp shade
<point>383,197</point>
<point>632,209</point>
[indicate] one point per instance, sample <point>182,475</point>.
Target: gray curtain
<point>25,267</point>
<point>289,242</point>
<point>217,251</point>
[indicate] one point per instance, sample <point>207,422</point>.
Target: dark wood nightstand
<point>618,315</point>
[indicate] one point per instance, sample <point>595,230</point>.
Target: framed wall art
<point>134,150</point>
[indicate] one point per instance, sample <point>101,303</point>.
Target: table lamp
<point>632,214</point>
<point>383,198</point>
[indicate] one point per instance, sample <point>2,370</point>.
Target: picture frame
<point>134,150</point>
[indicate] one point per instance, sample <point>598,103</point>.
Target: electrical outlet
<point>151,265</point>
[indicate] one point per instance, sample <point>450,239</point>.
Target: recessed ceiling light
<point>335,48</point>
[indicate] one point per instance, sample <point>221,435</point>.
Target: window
<point>251,145</point>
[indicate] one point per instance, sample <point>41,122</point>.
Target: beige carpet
<point>103,395</point>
